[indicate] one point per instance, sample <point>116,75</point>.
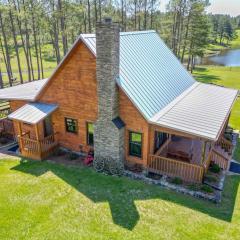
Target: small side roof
<point>202,111</point>
<point>27,91</point>
<point>33,113</point>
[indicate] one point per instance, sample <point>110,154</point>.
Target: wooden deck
<point>37,149</point>
<point>185,149</point>
<point>183,158</point>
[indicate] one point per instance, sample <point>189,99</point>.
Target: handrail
<point>175,160</point>
<point>36,149</point>
<point>220,159</point>
<point>175,168</point>
<point>225,144</point>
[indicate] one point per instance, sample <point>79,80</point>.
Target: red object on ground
<point>89,158</point>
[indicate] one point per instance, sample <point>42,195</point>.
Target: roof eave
<point>226,118</point>
<point>33,123</point>
<point>184,132</point>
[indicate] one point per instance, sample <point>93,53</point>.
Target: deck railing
<point>225,144</point>
<point>219,159</point>
<point>37,149</point>
<point>174,168</point>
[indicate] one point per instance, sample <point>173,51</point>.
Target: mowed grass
<point>236,42</point>
<point>224,76</point>
<point>49,63</point>
<point>41,200</point>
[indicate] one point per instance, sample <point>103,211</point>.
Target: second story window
<point>71,125</point>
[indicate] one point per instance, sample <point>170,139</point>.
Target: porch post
<point>38,138</point>
<point>20,135</point>
<point>36,131</point>
<point>203,151</point>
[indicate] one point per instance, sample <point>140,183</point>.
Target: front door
<point>48,130</point>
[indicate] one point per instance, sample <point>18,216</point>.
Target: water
<point>230,58</point>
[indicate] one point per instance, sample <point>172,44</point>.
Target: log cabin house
<point>127,96</point>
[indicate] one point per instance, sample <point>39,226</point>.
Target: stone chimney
<point>109,128</point>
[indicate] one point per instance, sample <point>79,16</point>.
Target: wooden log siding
<point>7,127</point>
<point>134,122</point>
<point>74,88</point>
<point>174,168</point>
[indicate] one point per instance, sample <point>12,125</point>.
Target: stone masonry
<point>108,137</point>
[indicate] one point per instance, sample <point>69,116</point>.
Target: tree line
<point>27,26</point>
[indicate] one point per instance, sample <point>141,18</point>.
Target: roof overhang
<point>27,91</point>
<point>33,113</point>
<point>201,111</point>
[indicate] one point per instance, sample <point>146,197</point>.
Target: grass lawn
<point>41,200</point>
<point>226,76</point>
<point>236,155</point>
<point>49,63</point>
<point>236,42</point>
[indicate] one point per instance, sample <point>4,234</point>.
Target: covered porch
<point>187,157</point>
<point>192,128</point>
<point>34,130</point>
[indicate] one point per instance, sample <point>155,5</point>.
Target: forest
<point>36,34</point>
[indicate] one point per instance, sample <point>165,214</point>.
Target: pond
<point>228,57</point>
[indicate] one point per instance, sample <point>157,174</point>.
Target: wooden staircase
<point>222,153</point>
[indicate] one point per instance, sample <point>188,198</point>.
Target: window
<point>159,139</point>
<point>135,144</point>
<point>90,134</point>
<point>71,125</point>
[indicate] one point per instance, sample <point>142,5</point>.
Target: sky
<point>231,7</point>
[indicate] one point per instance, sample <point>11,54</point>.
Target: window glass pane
<point>136,137</point>
<point>90,127</point>
<point>71,125</point>
<point>90,131</point>
<point>135,144</point>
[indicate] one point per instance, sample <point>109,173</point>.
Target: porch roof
<point>201,110</point>
<point>33,113</point>
<point>27,91</point>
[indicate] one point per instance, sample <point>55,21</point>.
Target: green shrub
<point>207,189</point>
<point>211,178</point>
<point>215,168</point>
<point>177,181</point>
<point>72,156</point>
<point>59,152</point>
<point>193,187</point>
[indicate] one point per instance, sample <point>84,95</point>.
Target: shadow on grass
<point>200,73</point>
<point>121,193</point>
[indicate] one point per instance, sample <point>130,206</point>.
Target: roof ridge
<point>173,103</point>
<point>93,35</point>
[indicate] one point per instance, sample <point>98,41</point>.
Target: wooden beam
<point>36,131</point>
<point>204,151</point>
<point>175,132</point>
<point>19,124</point>
<point>38,139</point>
<point>19,128</point>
